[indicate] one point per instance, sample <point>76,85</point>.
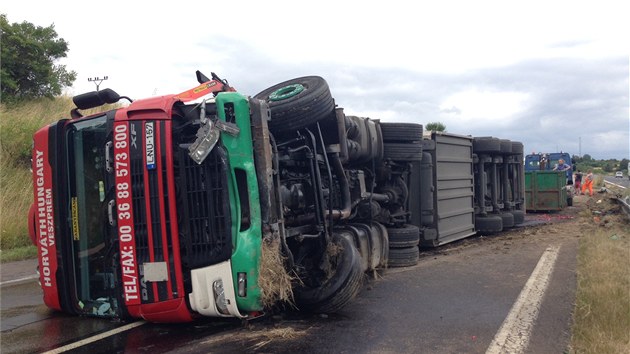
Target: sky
<point>553,75</point>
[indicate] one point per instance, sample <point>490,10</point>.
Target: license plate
<point>149,143</point>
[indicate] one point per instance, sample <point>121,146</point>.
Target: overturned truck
<point>168,208</point>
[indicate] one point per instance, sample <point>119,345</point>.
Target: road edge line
<point>614,184</point>
<point>14,281</point>
<point>514,334</point>
<point>95,338</point>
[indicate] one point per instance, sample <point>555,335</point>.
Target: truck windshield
<point>89,186</point>
<point>532,163</point>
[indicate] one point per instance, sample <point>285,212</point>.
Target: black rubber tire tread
<point>340,289</point>
<point>517,148</point>
<point>403,257</point>
<point>402,152</point>
<point>402,237</point>
<point>307,107</point>
<point>506,146</point>
<point>488,223</point>
<point>486,144</point>
<point>519,216</point>
<point>569,201</point>
<point>401,132</point>
<point>507,219</point>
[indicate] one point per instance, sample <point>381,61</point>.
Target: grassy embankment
<point>16,192</point>
<point>17,125</point>
<point>601,319</point>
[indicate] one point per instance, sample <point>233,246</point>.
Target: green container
<point>545,190</point>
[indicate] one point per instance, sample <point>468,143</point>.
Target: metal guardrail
<point>625,205</point>
<point>624,202</point>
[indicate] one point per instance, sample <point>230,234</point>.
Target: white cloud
<point>452,61</point>
<point>480,105</point>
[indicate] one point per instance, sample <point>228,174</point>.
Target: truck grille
<point>151,216</point>
<point>202,205</point>
<point>204,208</point>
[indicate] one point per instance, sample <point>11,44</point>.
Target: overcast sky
<point>546,73</point>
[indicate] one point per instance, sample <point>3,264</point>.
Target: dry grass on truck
<point>274,281</point>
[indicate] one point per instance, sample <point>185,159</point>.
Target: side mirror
<point>201,78</point>
<point>108,96</point>
<point>95,98</point>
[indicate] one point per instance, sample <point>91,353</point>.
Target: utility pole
<point>97,81</point>
<point>580,149</point>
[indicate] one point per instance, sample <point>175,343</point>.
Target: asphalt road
<point>455,300</point>
<point>623,182</point>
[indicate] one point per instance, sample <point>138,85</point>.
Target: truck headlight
<point>242,284</point>
<point>207,137</point>
<point>219,297</point>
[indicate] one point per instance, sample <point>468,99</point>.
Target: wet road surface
<point>454,300</point>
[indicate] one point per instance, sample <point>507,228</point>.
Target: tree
<point>29,55</point>
<point>576,159</point>
<point>608,167</point>
<point>587,157</point>
<point>436,127</point>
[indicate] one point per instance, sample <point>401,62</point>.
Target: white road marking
<point>30,277</point>
<point>513,336</point>
<point>615,184</point>
<point>95,338</point>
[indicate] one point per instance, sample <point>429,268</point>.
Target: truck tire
<point>297,103</point>
<point>490,224</point>
<point>486,144</point>
<point>517,148</point>
<point>341,287</point>
<point>401,132</point>
<point>402,152</point>
<point>402,237</point>
<point>403,257</point>
<point>507,219</point>
<point>519,216</point>
<point>506,146</point>
<point>569,201</point>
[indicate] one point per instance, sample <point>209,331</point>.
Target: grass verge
<point>18,254</point>
<point>601,320</point>
<point>17,126</point>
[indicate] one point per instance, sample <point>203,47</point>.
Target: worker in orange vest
<point>588,183</point>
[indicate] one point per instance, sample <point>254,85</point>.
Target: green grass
<point>17,126</point>
<point>18,253</point>
<point>601,320</point>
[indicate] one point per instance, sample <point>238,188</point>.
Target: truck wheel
<point>507,219</point>
<point>506,146</point>
<point>342,286</point>
<point>401,132</point>
<point>297,103</point>
<point>517,148</point>
<point>402,152</point>
<point>406,236</point>
<point>569,201</point>
<point>489,224</point>
<point>519,216</point>
<point>403,257</point>
<point>486,144</point>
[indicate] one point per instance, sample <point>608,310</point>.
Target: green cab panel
<point>234,108</point>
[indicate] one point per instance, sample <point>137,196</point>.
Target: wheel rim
<point>286,92</point>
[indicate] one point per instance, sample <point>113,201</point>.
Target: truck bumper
<point>213,291</point>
